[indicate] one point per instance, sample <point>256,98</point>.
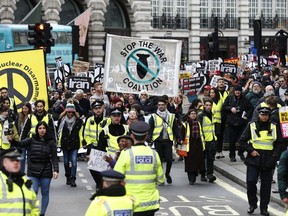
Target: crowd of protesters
<point>97,119</point>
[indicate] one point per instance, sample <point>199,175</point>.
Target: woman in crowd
<point>19,123</point>
<point>43,163</point>
<point>216,110</point>
<point>191,132</point>
<point>70,128</point>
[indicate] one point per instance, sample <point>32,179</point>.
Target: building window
<point>114,17</point>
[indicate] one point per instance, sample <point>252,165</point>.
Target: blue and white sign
<point>135,64</point>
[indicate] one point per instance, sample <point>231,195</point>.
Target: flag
<point>83,22</point>
<point>134,64</point>
<point>34,16</point>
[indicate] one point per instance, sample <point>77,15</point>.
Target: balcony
<point>223,22</point>
<point>271,22</point>
<point>170,22</point>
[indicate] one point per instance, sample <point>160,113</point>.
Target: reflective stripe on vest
<point>34,123</point>
<point>208,129</point>
<point>118,206</point>
<point>112,141</point>
<point>265,141</point>
<point>158,126</point>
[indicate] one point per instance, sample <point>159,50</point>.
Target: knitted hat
<point>116,100</point>
<point>256,83</point>
<point>238,88</point>
<point>70,107</point>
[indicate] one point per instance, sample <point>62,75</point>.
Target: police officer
<point>93,127</point>
<point>260,140</point>
<point>15,186</point>
<point>112,198</point>
<point>143,170</point>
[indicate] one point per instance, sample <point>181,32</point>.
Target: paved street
<point>223,197</point>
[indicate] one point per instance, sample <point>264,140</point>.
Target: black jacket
<point>70,141</point>
<point>43,156</point>
<point>242,104</point>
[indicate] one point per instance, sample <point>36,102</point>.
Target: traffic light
<point>39,36</point>
<point>213,43</point>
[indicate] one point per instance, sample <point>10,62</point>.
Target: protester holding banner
<point>192,134</point>
<point>70,129</point>
<point>163,130</point>
<point>144,102</point>
<point>93,127</point>
<point>43,164</point>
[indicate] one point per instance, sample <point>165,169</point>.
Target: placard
<point>193,85</point>
<point>228,68</point>
<point>283,117</point>
<point>96,161</point>
<point>80,66</point>
<point>75,83</point>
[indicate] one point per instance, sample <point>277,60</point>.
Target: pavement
<point>236,172</point>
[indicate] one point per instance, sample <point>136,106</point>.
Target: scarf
<point>69,123</point>
<point>164,115</point>
<point>194,128</point>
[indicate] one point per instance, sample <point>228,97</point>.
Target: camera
<point>8,129</point>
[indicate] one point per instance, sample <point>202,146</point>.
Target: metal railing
<point>223,22</point>
<point>271,22</point>
<point>170,22</point>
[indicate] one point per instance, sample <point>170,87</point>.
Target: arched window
<point>114,17</point>
<point>70,10</point>
<point>23,8</point>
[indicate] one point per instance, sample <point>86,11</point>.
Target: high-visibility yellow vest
<point>264,104</point>
<point>11,103</point>
<point>34,123</point>
<point>224,96</point>
<point>92,131</point>
<point>187,135</point>
<point>208,128</point>
<point>142,168</point>
<point>158,126</point>
<point>3,145</point>
<point>216,110</point>
<point>265,141</point>
<point>112,206</point>
<point>18,202</point>
<point>112,141</point>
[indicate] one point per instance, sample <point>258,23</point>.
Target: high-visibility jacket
<point>158,126</point>
<point>112,140</point>
<point>4,143</point>
<point>187,135</point>
<point>224,96</point>
<point>18,202</point>
<point>208,128</point>
<point>111,206</point>
<point>216,110</point>
<point>264,104</point>
<point>34,123</point>
<point>142,168</point>
<point>265,140</point>
<point>92,130</point>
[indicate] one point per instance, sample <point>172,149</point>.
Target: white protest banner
<point>134,64</point>
<point>96,161</point>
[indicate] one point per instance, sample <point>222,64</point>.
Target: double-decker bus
<point>14,37</point>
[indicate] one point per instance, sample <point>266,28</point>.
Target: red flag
<point>83,21</point>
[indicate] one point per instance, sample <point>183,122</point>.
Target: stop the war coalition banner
<point>23,73</point>
<point>135,64</point>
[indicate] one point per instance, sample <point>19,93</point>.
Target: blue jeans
<point>45,186</point>
<point>70,156</point>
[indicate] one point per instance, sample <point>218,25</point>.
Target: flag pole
<point>79,15</point>
<point>31,12</point>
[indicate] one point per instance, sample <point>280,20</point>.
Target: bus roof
<point>24,27</point>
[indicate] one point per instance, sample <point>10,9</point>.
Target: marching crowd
<point>139,133</point>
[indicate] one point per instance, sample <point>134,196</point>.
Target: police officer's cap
<point>97,103</point>
<point>112,175</point>
<point>13,153</point>
<point>264,110</point>
<point>124,137</point>
<point>115,111</point>
<point>139,128</point>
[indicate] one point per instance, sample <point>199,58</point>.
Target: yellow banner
<point>23,73</point>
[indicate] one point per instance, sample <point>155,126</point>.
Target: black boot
<point>68,180</point>
<point>73,179</point>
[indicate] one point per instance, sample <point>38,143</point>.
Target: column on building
<point>194,35</point>
<point>141,22</point>
<point>244,32</point>
<point>96,32</point>
<point>7,8</point>
<point>51,11</point>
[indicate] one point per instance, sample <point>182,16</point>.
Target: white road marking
<point>244,196</point>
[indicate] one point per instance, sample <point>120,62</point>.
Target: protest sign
<point>96,161</point>
<point>75,83</point>
<point>283,117</point>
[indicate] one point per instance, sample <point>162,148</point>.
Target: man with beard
<point>255,94</point>
<point>40,114</point>
<point>15,186</point>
